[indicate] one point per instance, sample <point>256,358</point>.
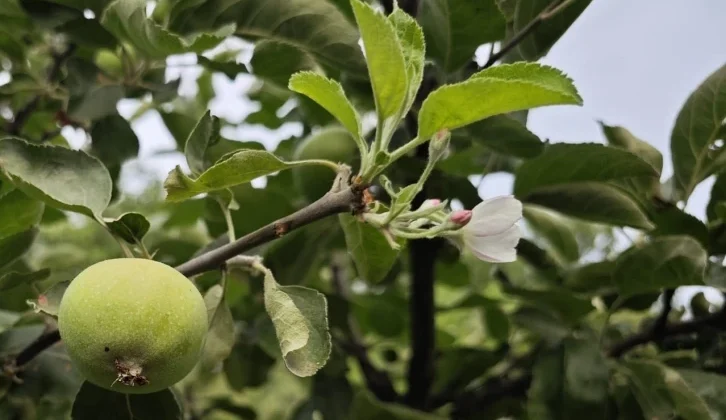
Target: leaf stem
<point>323,162</point>
<point>228,220</point>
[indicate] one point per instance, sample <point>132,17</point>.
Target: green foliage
<point>335,323</point>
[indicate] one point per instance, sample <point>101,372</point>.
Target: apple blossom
<point>492,233</point>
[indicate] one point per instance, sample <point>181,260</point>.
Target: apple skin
<point>133,325</point>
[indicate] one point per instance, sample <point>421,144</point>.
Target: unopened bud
<point>431,202</point>
<point>438,144</point>
<point>460,217</point>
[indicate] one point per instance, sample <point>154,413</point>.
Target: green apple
<point>133,325</point>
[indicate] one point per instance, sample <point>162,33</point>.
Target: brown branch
<point>345,200</point>
<point>377,381</point>
<point>38,345</point>
<point>21,117</point>
<point>551,10</point>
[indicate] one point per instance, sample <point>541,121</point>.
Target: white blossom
<point>492,233</point>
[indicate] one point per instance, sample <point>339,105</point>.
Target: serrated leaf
<point>555,229</point>
<point>127,20</point>
<point>300,317</point>
<point>221,335</point>
<point>14,246</point>
<point>235,169</point>
<point>277,61</point>
<point>456,28</point>
<point>18,213</point>
<point>13,279</point>
<point>509,87</point>
<point>62,178</point>
<point>620,137</point>
<point>366,407</point>
<point>131,227</point>
<point>385,59</point>
<point>662,392</point>
<point>411,38</point>
<point>697,127</point>
<point>371,252</point>
<point>328,94</point>
<point>113,140</point>
<point>92,403</point>
<point>538,43</point>
<point>665,262</point>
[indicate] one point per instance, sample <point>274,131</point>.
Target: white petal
<point>495,248</point>
<point>495,215</point>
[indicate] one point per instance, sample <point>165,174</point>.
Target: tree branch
<point>348,199</point>
<point>716,320</point>
<point>551,10</point>
<point>24,113</point>
<point>662,320</point>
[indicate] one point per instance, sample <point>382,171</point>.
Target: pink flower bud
<point>460,217</point>
<point>433,201</point>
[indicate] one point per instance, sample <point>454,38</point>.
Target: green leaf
<point>583,180</point>
<point>277,61</point>
<point>555,229</point>
<point>456,28</point>
<point>113,140</point>
<point>506,135</point>
<point>328,94</point>
<point>127,20</point>
<point>204,135</point>
<point>385,58</point>
<point>231,68</point>
<point>509,87</point>
<point>92,403</point>
<point>563,303</point>
<point>14,246</point>
<point>62,178</point>
<point>539,42</point>
<point>665,262</point>
<point>697,127</point>
<point>235,169</point>
<point>18,213</point>
<point>709,387</point>
<point>131,227</point>
<point>366,407</point>
<point>13,279</point>
<point>316,27</point>
<point>570,382</point>
<point>371,252</point>
<point>300,316</point>
<point>97,102</point>
<point>620,137</point>
<point>662,392</point>
<point>411,37</point>
<point>221,336</point>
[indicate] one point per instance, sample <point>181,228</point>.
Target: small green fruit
<point>133,325</point>
<point>332,143</point>
<point>109,62</point>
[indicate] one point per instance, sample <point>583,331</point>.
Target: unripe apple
<point>332,143</point>
<point>132,325</point>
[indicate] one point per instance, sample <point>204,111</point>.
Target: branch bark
<point>21,117</point>
<point>348,199</point>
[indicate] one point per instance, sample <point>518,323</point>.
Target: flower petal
<point>495,215</point>
<point>495,248</point>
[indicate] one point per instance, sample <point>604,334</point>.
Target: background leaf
<point>221,335</point>
<point>93,402</point>
<point>371,252</point>
<point>62,178</point>
<point>131,227</point>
